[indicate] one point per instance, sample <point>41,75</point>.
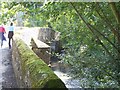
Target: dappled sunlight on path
<point>7,78</point>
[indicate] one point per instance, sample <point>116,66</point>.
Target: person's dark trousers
<point>9,43</point>
<point>10,35</point>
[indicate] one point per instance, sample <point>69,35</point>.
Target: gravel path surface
<point>7,77</point>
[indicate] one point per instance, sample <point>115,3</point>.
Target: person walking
<point>2,37</point>
<point>10,34</point>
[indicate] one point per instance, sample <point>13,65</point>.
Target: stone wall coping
<point>40,44</point>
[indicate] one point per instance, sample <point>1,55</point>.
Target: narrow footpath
<point>7,77</point>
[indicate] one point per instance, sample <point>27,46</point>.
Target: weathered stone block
<point>41,49</point>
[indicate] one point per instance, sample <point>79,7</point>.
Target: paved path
<point>7,78</point>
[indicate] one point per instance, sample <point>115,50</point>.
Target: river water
<point>62,72</point>
<point>68,81</point>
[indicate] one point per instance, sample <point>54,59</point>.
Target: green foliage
<point>9,11</point>
<point>91,44</point>
<point>89,34</point>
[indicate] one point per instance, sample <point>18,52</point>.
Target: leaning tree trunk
<point>117,17</point>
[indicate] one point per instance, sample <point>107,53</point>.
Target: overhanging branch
<point>80,17</point>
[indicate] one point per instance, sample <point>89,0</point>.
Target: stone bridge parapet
<point>30,70</point>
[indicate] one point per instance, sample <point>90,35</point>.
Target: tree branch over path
<point>104,37</point>
<point>117,16</point>
<point>115,12</point>
<point>88,25</point>
<point>107,21</point>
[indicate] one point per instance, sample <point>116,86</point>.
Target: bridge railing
<point>30,70</point>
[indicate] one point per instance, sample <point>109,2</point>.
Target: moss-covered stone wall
<point>30,70</point>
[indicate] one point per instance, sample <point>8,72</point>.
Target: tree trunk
<point>117,17</point>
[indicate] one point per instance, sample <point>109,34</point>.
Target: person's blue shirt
<point>11,28</point>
